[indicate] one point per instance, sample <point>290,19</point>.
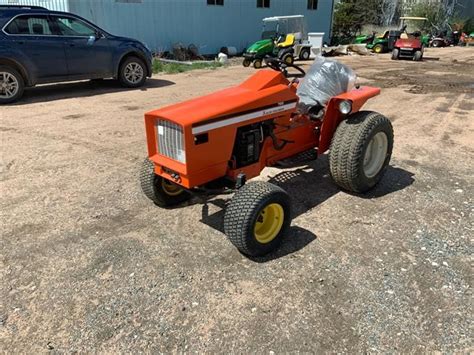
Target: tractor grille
<point>171,140</point>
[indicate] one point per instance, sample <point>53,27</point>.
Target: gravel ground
<point>88,264</point>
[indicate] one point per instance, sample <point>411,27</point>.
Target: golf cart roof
<point>414,18</point>
<point>277,18</point>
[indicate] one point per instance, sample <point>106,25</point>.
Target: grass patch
<point>173,68</point>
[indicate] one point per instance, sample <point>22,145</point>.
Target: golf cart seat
<point>288,42</point>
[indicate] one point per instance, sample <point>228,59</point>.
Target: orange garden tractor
<point>216,143</point>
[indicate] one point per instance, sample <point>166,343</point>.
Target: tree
<point>351,15</point>
<point>439,14</point>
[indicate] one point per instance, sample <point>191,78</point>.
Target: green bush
<point>172,68</point>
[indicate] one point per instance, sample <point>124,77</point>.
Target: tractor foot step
<point>299,159</point>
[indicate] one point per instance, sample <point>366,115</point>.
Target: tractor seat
<point>404,36</point>
<point>288,42</point>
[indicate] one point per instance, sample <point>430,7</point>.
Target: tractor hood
<point>264,89</point>
<point>260,45</point>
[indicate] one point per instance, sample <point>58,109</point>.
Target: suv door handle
<point>72,45</point>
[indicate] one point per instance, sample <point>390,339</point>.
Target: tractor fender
<point>333,116</point>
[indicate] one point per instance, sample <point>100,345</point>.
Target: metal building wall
<point>161,23</point>
<point>57,5</point>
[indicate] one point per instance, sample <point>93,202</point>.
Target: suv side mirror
<point>98,35</point>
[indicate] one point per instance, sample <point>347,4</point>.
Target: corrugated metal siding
<point>161,23</point>
<point>57,5</point>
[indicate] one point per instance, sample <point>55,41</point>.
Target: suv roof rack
<point>22,7</point>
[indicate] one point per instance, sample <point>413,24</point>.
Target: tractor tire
<point>417,56</point>
<point>378,48</point>
<point>395,54</point>
<point>304,54</point>
<point>257,218</point>
<point>162,192</point>
<point>12,85</point>
<point>257,63</point>
<point>246,63</point>
<point>132,73</point>
<point>437,44</point>
<point>288,59</point>
<point>360,151</point>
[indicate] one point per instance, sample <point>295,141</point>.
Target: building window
<point>215,2</point>
<point>263,3</point>
<point>312,4</point>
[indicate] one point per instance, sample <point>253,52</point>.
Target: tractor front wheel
<point>246,63</point>
<point>162,192</point>
<point>257,218</point>
<point>257,63</point>
<point>378,48</point>
<point>360,151</point>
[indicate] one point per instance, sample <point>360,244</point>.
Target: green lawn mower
<point>283,37</point>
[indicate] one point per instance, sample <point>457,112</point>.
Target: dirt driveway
<point>87,263</point>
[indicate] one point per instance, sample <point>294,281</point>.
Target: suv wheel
<point>11,85</point>
<point>132,72</point>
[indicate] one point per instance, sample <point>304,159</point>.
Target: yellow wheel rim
<point>289,60</point>
<point>269,223</point>
<point>378,49</point>
<point>170,189</point>
<point>258,64</point>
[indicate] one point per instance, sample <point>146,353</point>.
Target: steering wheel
<point>281,66</point>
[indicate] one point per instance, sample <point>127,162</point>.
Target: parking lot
<point>88,263</point>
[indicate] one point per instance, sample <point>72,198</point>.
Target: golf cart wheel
<point>395,54</point>
<point>437,43</point>
<point>132,72</point>
<point>257,218</point>
<point>360,151</point>
<point>417,56</point>
<point>162,192</point>
<point>304,54</point>
<point>288,59</point>
<point>11,85</point>
<point>378,48</point>
<point>246,63</point>
<point>257,63</point>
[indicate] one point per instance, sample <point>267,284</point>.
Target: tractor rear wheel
<point>246,63</point>
<point>257,218</point>
<point>162,192</point>
<point>395,54</point>
<point>378,48</point>
<point>257,63</point>
<point>417,56</point>
<point>288,58</point>
<point>360,151</point>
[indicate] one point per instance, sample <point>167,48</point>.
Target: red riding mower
<point>216,143</point>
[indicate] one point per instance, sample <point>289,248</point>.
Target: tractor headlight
<point>345,107</point>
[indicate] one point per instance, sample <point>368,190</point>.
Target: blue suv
<point>39,46</point>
